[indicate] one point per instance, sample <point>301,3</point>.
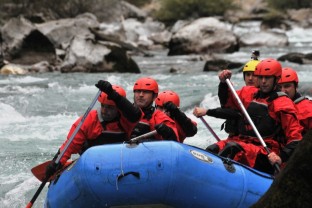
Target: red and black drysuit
<point>185,126</point>
<point>152,119</point>
<point>273,114</point>
<point>95,131</point>
<point>304,108</point>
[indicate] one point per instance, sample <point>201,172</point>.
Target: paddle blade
<point>39,170</point>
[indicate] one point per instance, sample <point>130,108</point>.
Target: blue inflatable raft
<point>155,174</point>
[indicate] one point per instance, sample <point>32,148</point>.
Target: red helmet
<point>103,97</point>
<point>146,83</point>
<point>269,67</point>
<point>167,96</point>
<point>288,75</point>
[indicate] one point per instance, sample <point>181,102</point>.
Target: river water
<point>38,110</point>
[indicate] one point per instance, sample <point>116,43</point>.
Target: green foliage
<point>273,14</point>
<point>173,10</point>
<point>69,8</point>
<point>59,8</point>
<point>139,3</point>
<point>289,4</point>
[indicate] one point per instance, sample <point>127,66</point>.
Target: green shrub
<point>139,3</point>
<point>173,10</point>
<point>59,8</point>
<point>289,4</point>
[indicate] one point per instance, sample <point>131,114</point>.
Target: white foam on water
<point>300,35</point>
<point>22,79</point>
<point>9,115</point>
<point>17,196</point>
<point>15,127</point>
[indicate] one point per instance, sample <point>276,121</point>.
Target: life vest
<point>230,126</point>
<point>107,136</point>
<point>298,100</point>
<point>151,118</point>
<point>304,108</point>
<point>259,114</point>
<point>144,125</point>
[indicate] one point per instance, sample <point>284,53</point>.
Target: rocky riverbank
<point>85,44</point>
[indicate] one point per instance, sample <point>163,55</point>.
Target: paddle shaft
<point>210,129</point>
<point>77,128</point>
<point>249,120</point>
<point>149,134</point>
<point>29,205</point>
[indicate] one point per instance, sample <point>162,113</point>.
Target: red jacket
<point>181,132</point>
<point>91,129</point>
<point>159,117</point>
<point>304,108</point>
<point>281,109</point>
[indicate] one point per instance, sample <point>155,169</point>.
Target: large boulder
<point>298,58</point>
<point>88,55</point>
<point>61,32</point>
<point>66,44</point>
<point>146,34</point>
<point>24,44</point>
<point>131,11</point>
<point>303,17</point>
<point>220,64</point>
<point>202,36</point>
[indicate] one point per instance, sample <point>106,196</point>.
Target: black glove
<point>105,86</point>
<point>165,131</point>
<point>52,168</point>
<point>213,148</point>
<point>171,108</point>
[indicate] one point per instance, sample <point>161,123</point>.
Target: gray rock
<point>201,36</point>
<point>87,55</point>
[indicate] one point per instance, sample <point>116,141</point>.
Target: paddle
<point>46,179</point>
<point>39,170</point>
<point>143,136</point>
<point>250,121</point>
<point>210,129</point>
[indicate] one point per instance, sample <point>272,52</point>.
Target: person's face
<point>289,88</point>
<point>250,79</point>
<point>108,112</point>
<point>266,83</point>
<point>143,98</point>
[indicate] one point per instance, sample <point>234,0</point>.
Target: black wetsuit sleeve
<point>131,112</point>
<point>189,128</point>
<point>223,93</point>
<point>166,132</point>
<point>287,151</point>
<point>224,113</point>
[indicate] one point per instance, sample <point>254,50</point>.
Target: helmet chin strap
<point>275,85</point>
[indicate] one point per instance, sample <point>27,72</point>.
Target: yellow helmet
<point>250,66</point>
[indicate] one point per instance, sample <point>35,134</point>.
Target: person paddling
<point>273,114</point>
<point>289,84</point>
<point>145,91</point>
<point>231,115</point>
<point>169,102</point>
<point>113,122</point>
